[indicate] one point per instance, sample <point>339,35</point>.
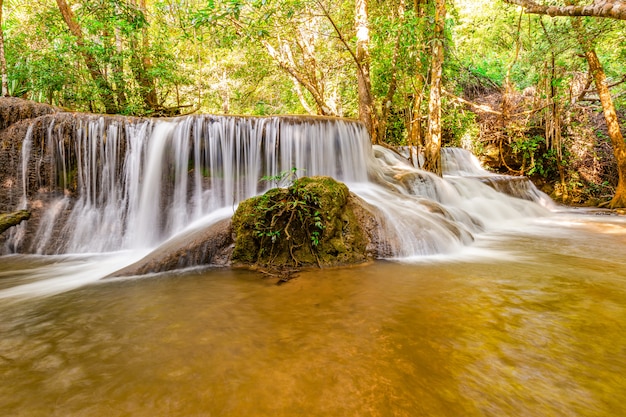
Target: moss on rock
<point>9,220</point>
<point>310,223</point>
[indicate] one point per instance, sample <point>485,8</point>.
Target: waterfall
<point>18,233</point>
<point>113,184</point>
<point>461,162</point>
<point>457,162</point>
<point>26,147</point>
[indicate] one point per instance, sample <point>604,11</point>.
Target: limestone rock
<point>13,109</point>
<point>209,246</point>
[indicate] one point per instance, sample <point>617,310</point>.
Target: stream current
<point>526,322</point>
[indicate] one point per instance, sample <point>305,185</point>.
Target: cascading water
<point>19,232</point>
<point>457,162</point>
<point>134,183</point>
<point>128,184</point>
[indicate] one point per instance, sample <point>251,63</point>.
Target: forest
<point>532,88</point>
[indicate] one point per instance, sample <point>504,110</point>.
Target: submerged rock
<point>314,222</point>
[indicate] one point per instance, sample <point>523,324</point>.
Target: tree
<point>296,35</point>
<point>610,115</point>
<point>432,155</point>
<point>600,8</point>
<point>141,64</point>
<point>615,9</point>
<point>362,61</point>
<point>3,61</point>
<point>104,88</point>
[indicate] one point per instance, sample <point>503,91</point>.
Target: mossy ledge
<point>8,220</point>
<point>314,222</point>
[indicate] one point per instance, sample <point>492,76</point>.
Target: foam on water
<point>62,274</point>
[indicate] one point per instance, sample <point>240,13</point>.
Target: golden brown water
<point>537,330</point>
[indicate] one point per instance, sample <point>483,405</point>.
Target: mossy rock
<point>310,223</point>
<point>9,220</point>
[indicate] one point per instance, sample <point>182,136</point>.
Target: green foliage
<point>396,131</point>
<point>47,63</point>
<point>284,178</point>
<point>460,128</point>
<point>542,161</point>
<point>211,56</point>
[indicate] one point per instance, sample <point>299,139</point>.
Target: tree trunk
<point>104,88</point>
<point>141,64</point>
<point>385,108</point>
<point>432,151</point>
<point>615,134</point>
<point>366,102</point>
<point>416,137</point>
<point>3,61</point>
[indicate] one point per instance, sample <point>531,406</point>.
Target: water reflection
<point>543,334</point>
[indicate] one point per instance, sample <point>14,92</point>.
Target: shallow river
<point>526,323</point>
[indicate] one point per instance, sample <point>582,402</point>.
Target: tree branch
<point>340,35</point>
<point>613,9</point>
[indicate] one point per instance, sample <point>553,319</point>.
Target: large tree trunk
<point>432,151</point>
<point>366,102</point>
<point>615,134</point>
<point>3,61</point>
<point>104,88</point>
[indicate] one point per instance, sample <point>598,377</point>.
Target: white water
<point>62,273</point>
<point>141,182</point>
<point>460,162</point>
<point>17,233</point>
<point>457,162</point>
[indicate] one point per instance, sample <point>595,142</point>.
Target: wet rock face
<point>39,163</point>
<point>38,178</point>
<point>16,115</point>
<point>316,221</point>
<point>13,109</point>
